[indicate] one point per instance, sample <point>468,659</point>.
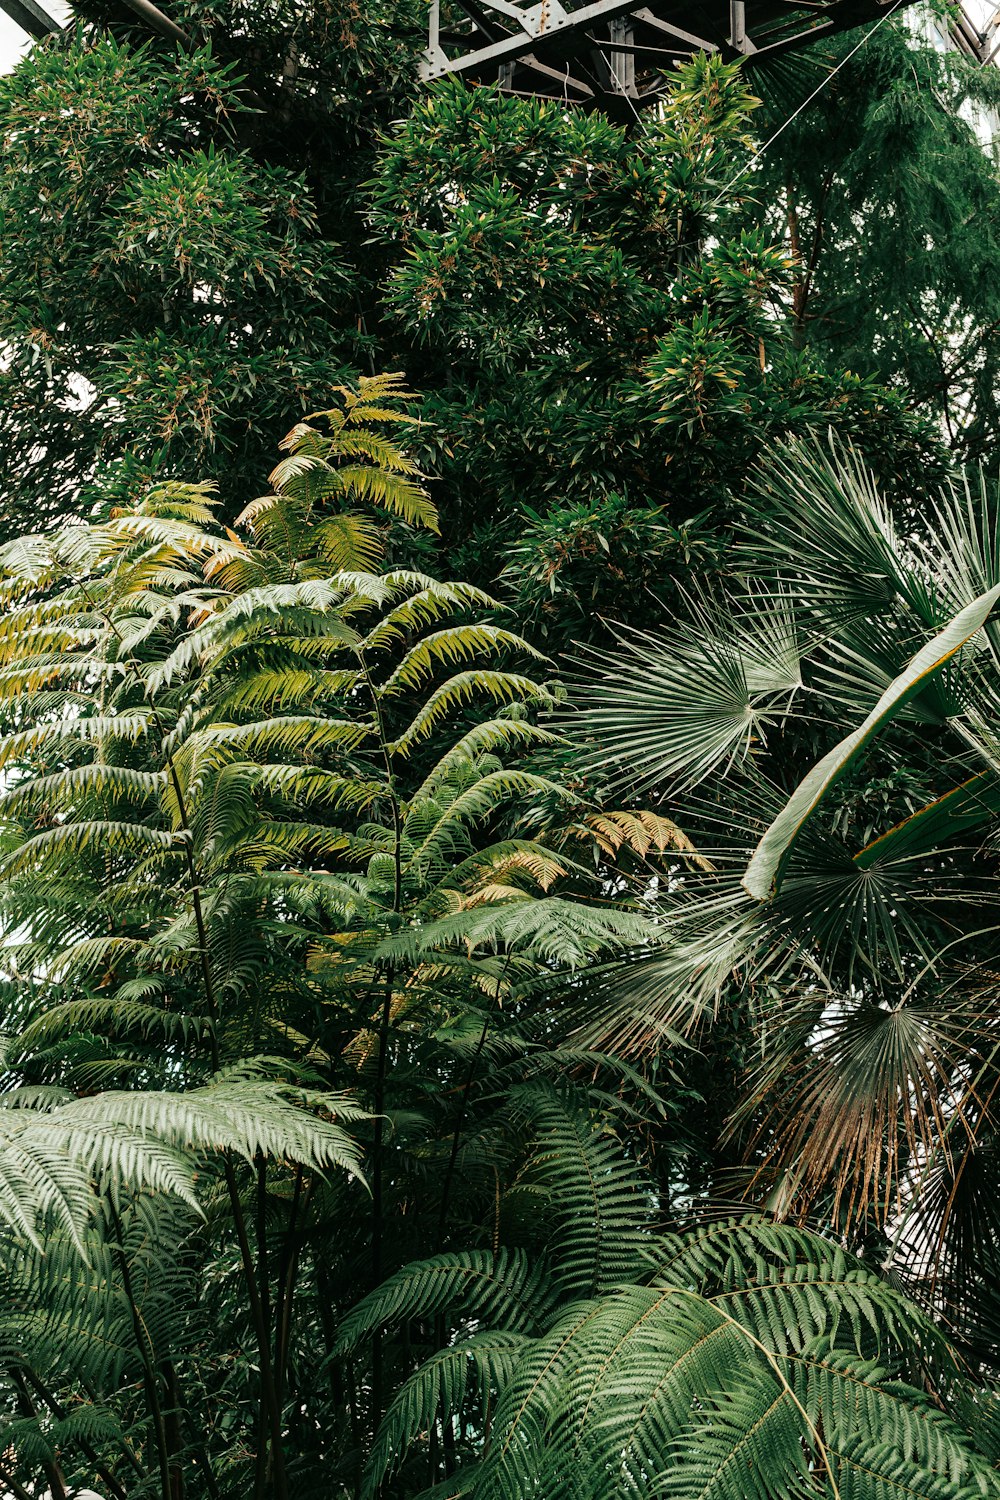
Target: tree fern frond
<point>463,688</point>
<point>471,807</point>
<point>502,1288</point>
<point>641,832</point>
<point>428,601</point>
<point>492,737</point>
<point>440,1388</point>
<point>248,1116</point>
<point>600,1204</point>
<point>315,600</point>
<point>450,646</point>
<point>123,1009</point>
<point>349,543</point>
<point>287,734</point>
<point>82,729</point>
<point>395,493</point>
<point>65,843</point>
<point>746,1443</point>
<point>62,790</point>
<point>550,929</point>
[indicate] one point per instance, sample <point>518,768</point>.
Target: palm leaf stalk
<point>846,899</point>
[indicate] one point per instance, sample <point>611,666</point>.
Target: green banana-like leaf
<point>765,871</point>
<point>966,806</point>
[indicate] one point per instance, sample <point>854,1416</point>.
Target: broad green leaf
<point>766,868</point>
<point>968,805</point>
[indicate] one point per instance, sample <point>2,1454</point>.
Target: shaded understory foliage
<point>328,1169</point>
<point>414,1083</point>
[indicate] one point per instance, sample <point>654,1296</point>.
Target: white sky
<point>14,42</point>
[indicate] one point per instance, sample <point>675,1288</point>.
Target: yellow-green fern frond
<point>448,647</point>
<point>464,688</point>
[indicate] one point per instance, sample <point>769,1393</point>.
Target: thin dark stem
<point>262,1265</point>
<point>260,1324</point>
<point>174,1437</point>
<point>287,1276</point>
<point>150,1381</point>
<point>128,1452</point>
<point>382,1064</point>
<point>53,1473</point>
<point>201,1458</point>
<point>57,1409</point>
<point>260,1455</point>
<point>260,1321</point>
<point>447,1434</point>
<point>269,1393</point>
<point>378,1206</point>
<point>463,1110</point>
<point>262,1465</point>
<point>17,1490</point>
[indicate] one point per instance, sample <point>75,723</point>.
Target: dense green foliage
<point>860,932</point>
<point>886,201</point>
<point>496,932</point>
<point>198,259</point>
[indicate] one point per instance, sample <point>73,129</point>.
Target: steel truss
<point>618,54</point>
<point>31,17</point>
<point>615,54</point>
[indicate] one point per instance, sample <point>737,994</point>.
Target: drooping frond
<point>765,870</point>
<point>693,1382</point>
<point>503,1288</point>
<point>479,1367</point>
<point>453,695</point>
<point>601,1206</point>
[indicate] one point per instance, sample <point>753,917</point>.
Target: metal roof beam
<point>534,25</point>
<point>158,22</point>
<point>30,16</point>
<point>626,47</point>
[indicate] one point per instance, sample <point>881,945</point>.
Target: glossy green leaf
<point>766,868</point>
<point>966,806</point>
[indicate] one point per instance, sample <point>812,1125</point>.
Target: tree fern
<point>503,1288</point>
<point>479,1366</point>
<point>262,801</point>
<point>666,1381</point>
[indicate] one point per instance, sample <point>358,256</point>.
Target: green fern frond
<point>463,688</point>
<point>502,1288</point>
<point>291,735</point>
<point>348,543</point>
<point>65,843</point>
<point>439,1389</point>
<point>551,929</point>
<point>473,806</point>
<point>380,487</point>
<point>426,602</point>
<point>449,647</point>
<point>129,727</point>
<point>601,1206</point>
<point>492,737</point>
<point>247,1116</point>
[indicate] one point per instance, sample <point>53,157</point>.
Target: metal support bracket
<point>617,52</point>
<point>30,16</point>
